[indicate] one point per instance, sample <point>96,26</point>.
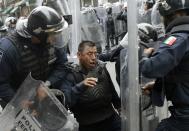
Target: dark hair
<point>83,44</point>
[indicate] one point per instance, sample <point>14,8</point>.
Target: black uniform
<point>92,107</point>
<point>123,16</point>
<point>110,30</point>
<point>18,57</point>
<point>170,64</point>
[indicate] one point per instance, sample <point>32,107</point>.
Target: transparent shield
<point>129,84</point>
<point>75,27</point>
<point>60,39</point>
<point>61,6</point>
<point>91,29</point>
<point>135,105</point>
<point>120,24</point>
<point>34,107</point>
<point>157,20</point>
<point>101,13</point>
<point>34,3</point>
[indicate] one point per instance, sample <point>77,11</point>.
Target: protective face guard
<point>34,107</point>
<point>59,38</point>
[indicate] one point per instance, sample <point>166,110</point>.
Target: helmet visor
<point>59,39</point>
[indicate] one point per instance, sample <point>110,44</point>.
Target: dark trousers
<point>112,123</point>
<point>110,38</point>
<point>170,124</point>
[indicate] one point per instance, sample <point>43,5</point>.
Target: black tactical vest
<point>35,61</point>
<point>94,104</point>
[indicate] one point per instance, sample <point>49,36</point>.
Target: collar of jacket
<point>180,24</point>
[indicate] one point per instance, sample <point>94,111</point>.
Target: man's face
<point>88,57</point>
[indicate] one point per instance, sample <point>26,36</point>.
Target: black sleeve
<point>72,89</point>
<point>110,56</point>
<point>59,72</point>
<point>119,16</point>
<point>8,64</point>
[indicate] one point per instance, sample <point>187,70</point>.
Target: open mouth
<point>92,63</point>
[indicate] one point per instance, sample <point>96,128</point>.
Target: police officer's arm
<point>58,72</point>
<point>8,64</point>
<point>165,59</point>
<point>122,16</point>
<point>112,55</point>
<point>73,90</point>
<point>119,16</point>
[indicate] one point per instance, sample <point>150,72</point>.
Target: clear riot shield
<point>91,29</point>
<point>129,75</point>
<point>35,108</point>
<point>137,112</point>
<point>101,13</point>
<point>34,3</point>
<point>120,25</point>
<point>61,6</point>
<point>157,21</point>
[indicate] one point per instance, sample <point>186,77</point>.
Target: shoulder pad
<point>72,66</point>
<point>6,44</point>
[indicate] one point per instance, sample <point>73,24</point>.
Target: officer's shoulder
<point>175,38</point>
<point>72,67</point>
<point>181,35</point>
<point>72,70</point>
<point>6,44</point>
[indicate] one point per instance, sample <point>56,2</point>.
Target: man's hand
<point>90,82</point>
<point>41,92</point>
<point>148,87</point>
<point>47,83</point>
<point>148,52</point>
<point>26,104</point>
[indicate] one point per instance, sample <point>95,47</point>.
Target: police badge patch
<point>1,55</point>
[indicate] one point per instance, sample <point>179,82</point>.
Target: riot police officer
<point>110,27</point>
<point>170,65</point>
<point>145,17</point>
<point>36,46</point>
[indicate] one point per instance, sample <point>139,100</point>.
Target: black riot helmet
<point>147,32</point>
<point>169,7</point>
<point>44,20</point>
<point>149,3</point>
<point>109,10</point>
